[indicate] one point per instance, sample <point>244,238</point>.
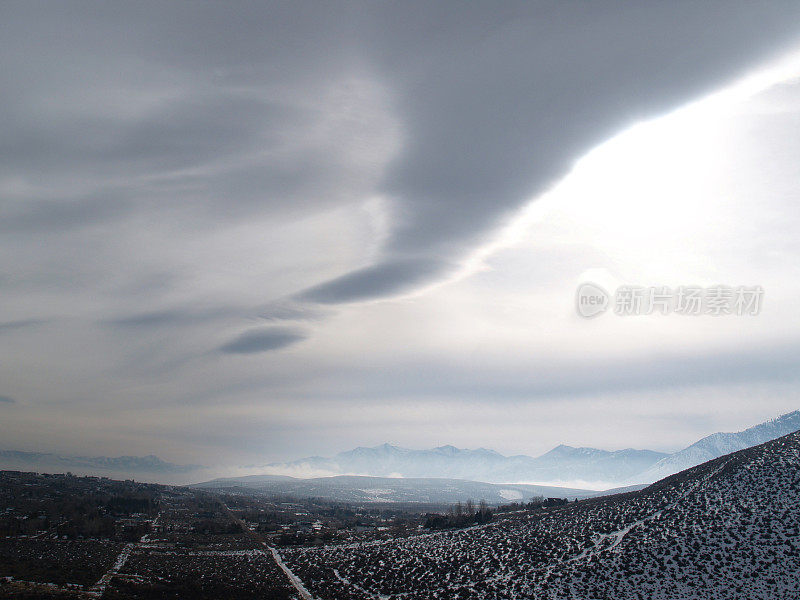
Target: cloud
<point>19,324</point>
<point>7,400</point>
<point>291,311</point>
<point>263,340</point>
<point>376,281</point>
<point>498,104</point>
<point>173,317</point>
<point>150,319</point>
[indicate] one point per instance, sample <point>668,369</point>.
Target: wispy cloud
<point>20,324</point>
<point>264,339</point>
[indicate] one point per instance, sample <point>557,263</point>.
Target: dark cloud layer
<point>499,101</point>
<point>543,380</point>
<point>172,317</point>
<point>263,340</point>
<point>494,102</point>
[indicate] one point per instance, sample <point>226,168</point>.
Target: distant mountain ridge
<point>719,444</point>
<point>42,461</point>
<point>563,465</point>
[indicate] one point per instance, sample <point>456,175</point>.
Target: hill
<point>358,489</point>
<point>726,529</point>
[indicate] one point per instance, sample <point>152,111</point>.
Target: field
<point>84,537</point>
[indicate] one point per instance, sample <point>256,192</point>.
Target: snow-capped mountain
<point>719,444</point>
<point>562,464</point>
<point>565,463</point>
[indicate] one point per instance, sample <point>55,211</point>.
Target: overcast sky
<point>234,233</point>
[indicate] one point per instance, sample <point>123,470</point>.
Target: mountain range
<point>575,470</point>
<point>89,465</point>
<point>563,465</point>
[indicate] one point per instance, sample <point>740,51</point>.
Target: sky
<point>238,233</point>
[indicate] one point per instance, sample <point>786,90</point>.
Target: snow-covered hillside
<point>727,529</point>
<point>719,444</point>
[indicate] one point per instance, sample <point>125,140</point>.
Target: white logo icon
<point>591,300</point>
